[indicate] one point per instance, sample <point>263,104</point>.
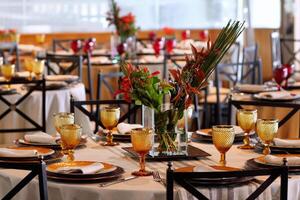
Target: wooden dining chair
<point>64,64</point>
<point>10,53</point>
<point>290,55</point>
<point>32,86</point>
<point>36,168</point>
<point>104,83</point>
<point>129,111</point>
<point>188,180</point>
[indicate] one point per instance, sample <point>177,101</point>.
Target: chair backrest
<point>9,50</point>
<point>289,53</point>
<point>187,180</point>
<point>104,81</point>
<point>64,64</point>
<point>62,44</point>
<point>37,168</point>
<point>276,49</point>
<point>32,86</point>
<point>129,111</point>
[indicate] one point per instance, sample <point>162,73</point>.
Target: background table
<point>56,101</point>
<point>143,188</point>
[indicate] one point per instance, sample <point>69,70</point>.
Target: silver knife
<point>118,181</point>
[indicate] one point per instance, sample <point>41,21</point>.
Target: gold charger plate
<point>108,173</point>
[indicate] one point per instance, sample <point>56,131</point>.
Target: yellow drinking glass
<point>8,71</point>
<point>110,117</point>
<point>70,138</point>
<point>60,119</point>
<point>63,118</point>
<point>40,38</point>
<point>28,64</point>
<point>267,130</point>
<point>38,67</point>
<point>223,137</point>
<point>246,120</point>
<point>142,140</point>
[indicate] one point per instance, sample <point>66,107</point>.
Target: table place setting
<point>28,154</point>
<point>205,135</point>
<point>282,95</point>
<point>253,88</point>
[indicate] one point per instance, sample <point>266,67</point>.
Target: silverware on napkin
<point>117,181</point>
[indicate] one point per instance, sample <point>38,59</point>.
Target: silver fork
<point>157,178</point>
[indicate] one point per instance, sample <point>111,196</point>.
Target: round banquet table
<point>143,188</point>
<point>56,101</point>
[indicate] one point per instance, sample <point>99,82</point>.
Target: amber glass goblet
<point>223,137</point>
<point>70,138</point>
<point>110,117</point>
<point>246,120</point>
<point>28,64</point>
<point>267,130</point>
<point>38,67</point>
<point>142,142</point>
<point>60,119</point>
<point>40,39</point>
<point>8,71</point>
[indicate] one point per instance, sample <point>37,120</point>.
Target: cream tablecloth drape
<point>56,101</point>
<point>143,188</point>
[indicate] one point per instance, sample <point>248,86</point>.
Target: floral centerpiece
<point>124,25</point>
<point>146,88</point>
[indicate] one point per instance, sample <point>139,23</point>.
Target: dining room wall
<point>262,38</point>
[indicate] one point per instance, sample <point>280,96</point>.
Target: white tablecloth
<point>56,101</point>
<point>142,188</point>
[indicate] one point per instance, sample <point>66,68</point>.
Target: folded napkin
<point>88,169</point>
<point>6,152</point>
<point>124,128</point>
<point>40,137</point>
<point>276,95</point>
<point>286,143</point>
<point>291,161</point>
<point>250,87</point>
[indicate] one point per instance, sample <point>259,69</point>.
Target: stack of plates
<point>49,155</point>
<point>22,142</point>
<point>109,172</point>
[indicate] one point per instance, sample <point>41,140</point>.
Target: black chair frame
<point>64,44</point>
<point>37,85</point>
<point>182,178</point>
<point>37,168</point>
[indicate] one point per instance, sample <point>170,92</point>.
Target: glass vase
<point>170,139</point>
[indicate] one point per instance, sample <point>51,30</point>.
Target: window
<point>33,16</point>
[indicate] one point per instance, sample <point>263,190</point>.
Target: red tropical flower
<point>169,31</point>
<point>128,19</point>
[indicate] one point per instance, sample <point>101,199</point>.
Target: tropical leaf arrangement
<point>146,88</point>
<point>125,25</point>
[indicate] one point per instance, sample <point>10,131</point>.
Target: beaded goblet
<point>246,120</point>
<point>223,137</point>
<point>267,130</point>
